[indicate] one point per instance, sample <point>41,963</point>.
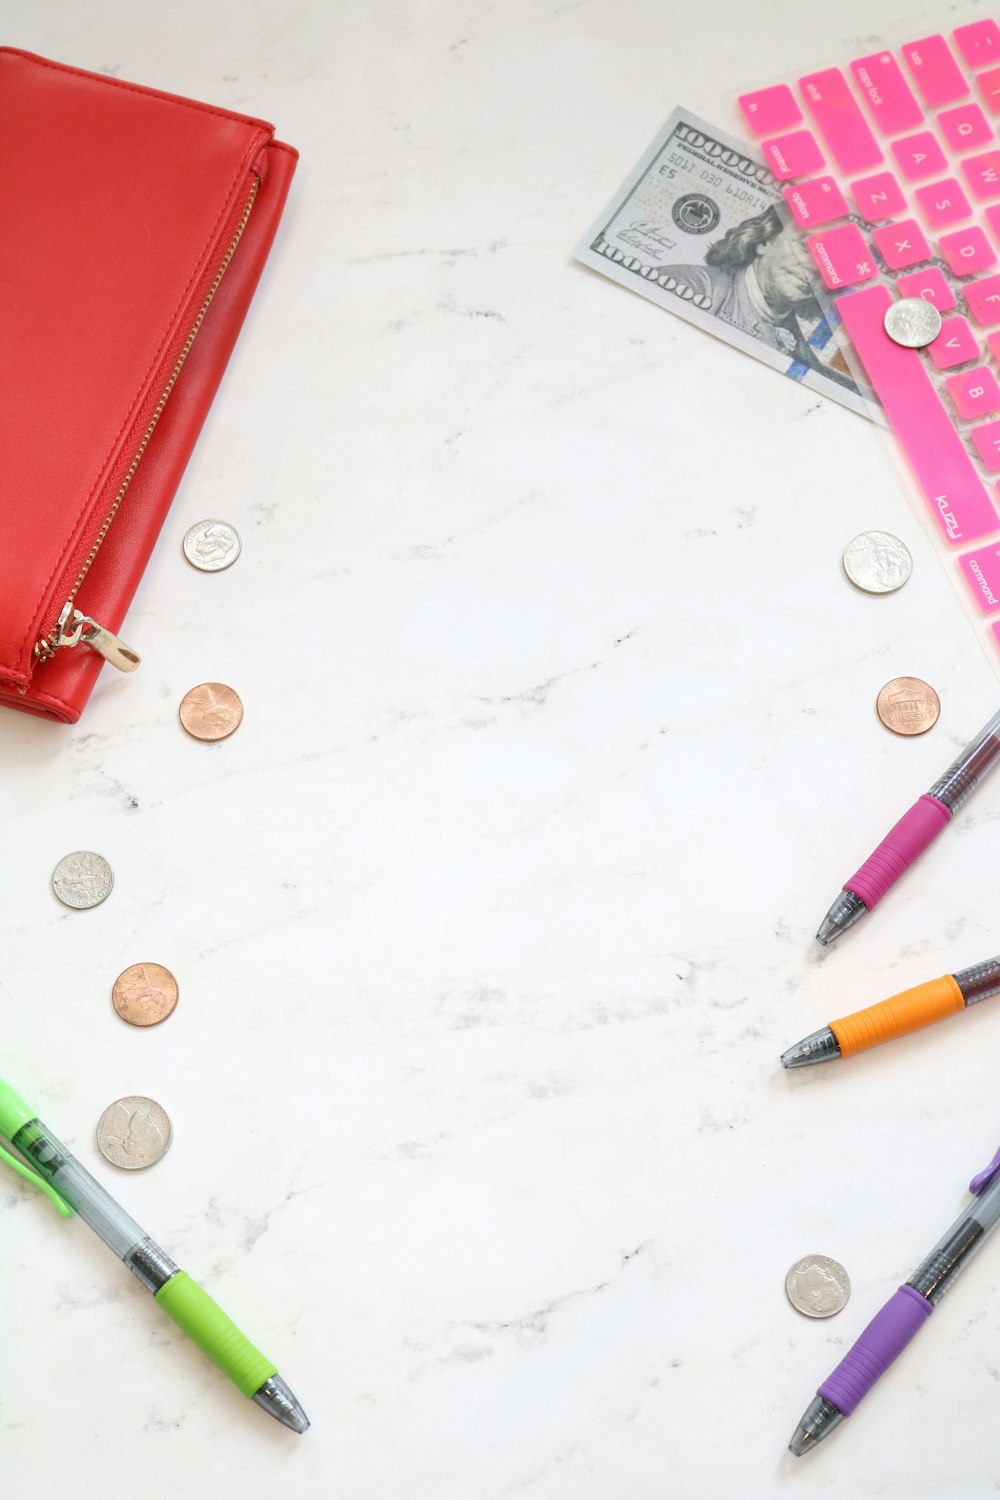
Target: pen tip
<point>845,911</point>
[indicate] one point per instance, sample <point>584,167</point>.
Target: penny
<point>133,1132</point>
<point>908,705</point>
<point>817,1286</point>
<point>912,322</point>
<point>212,545</point>
<point>877,562</point>
<point>145,994</point>
<point>82,879</point>
<point>211,711</point>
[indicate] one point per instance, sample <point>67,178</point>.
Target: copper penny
<point>907,705</point>
<point>211,711</point>
<point>145,994</point>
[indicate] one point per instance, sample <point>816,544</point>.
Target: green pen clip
<point>30,1176</point>
<point>13,1114</point>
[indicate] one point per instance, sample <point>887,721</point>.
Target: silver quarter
<point>133,1132</point>
<point>82,879</point>
<point>817,1286</point>
<point>212,545</point>
<point>877,562</point>
<point>912,322</point>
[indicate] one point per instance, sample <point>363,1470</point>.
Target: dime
<point>211,711</point>
<point>877,562</point>
<point>912,322</point>
<point>817,1286</point>
<point>212,545</point>
<point>82,879</point>
<point>133,1132</point>
<point>907,705</point>
<point>145,994</point>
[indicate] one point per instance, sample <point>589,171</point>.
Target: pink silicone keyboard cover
<point>890,165</point>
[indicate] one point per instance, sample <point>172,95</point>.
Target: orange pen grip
<point>907,1011</point>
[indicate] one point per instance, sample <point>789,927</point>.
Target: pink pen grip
<point>902,845</point>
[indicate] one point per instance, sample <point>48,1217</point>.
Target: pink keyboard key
<point>901,244</point>
<point>982,573</point>
<point>935,72</point>
<point>954,345</point>
<point>770,109</point>
<point>992,217</point>
<point>982,298</point>
<point>930,284</point>
<point>943,203</point>
<point>988,85</point>
<point>993,340</point>
<point>944,471</point>
<point>979,43</point>
<point>840,121</point>
<point>975,393</point>
<point>794,155</point>
<point>817,202</point>
<point>919,156</point>
<point>842,257</point>
<point>878,197</point>
<point>987,441</point>
<point>965,128</point>
<point>982,173</point>
<point>967,251</point>
<point>886,93</point>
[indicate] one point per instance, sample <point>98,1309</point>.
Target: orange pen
<point>902,1013</point>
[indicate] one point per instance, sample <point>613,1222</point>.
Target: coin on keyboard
<point>817,1286</point>
<point>908,705</point>
<point>877,562</point>
<point>211,711</point>
<point>212,545</point>
<point>912,322</point>
<point>145,994</point>
<point>133,1132</point>
<point>82,879</point>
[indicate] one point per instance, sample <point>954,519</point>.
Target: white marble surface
<point>491,921</point>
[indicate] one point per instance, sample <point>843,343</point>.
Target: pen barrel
<point>980,981</point>
<point>901,847</point>
<point>908,1011</point>
<point>964,774</point>
<point>215,1333</point>
<point>886,1336</point>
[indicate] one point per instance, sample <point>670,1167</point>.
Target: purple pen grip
<point>887,1335</point>
<point>902,845</point>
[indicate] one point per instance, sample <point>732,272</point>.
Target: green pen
<point>50,1167</point>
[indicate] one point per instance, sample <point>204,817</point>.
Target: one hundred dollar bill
<point>699,227</point>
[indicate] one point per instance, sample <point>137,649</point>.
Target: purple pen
<point>907,840</point>
<point>907,1309</point>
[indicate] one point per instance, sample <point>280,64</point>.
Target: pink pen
<point>917,828</point>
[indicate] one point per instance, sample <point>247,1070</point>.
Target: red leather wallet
<point>134,228</point>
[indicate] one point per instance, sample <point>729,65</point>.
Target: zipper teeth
<point>47,646</point>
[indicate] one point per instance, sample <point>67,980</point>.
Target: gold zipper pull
<point>104,642</point>
<point>73,626</point>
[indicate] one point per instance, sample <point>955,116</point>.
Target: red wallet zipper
<point>71,625</point>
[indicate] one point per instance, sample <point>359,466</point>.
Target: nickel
<point>133,1132</point>
<point>145,994</point>
<point>817,1286</point>
<point>211,711</point>
<point>912,322</point>
<point>908,705</point>
<point>877,562</point>
<point>82,879</point>
<point>212,545</point>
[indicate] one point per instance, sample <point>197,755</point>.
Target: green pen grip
<point>204,1322</point>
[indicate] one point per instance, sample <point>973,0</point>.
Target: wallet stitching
<point>136,88</point>
<point>130,415</point>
